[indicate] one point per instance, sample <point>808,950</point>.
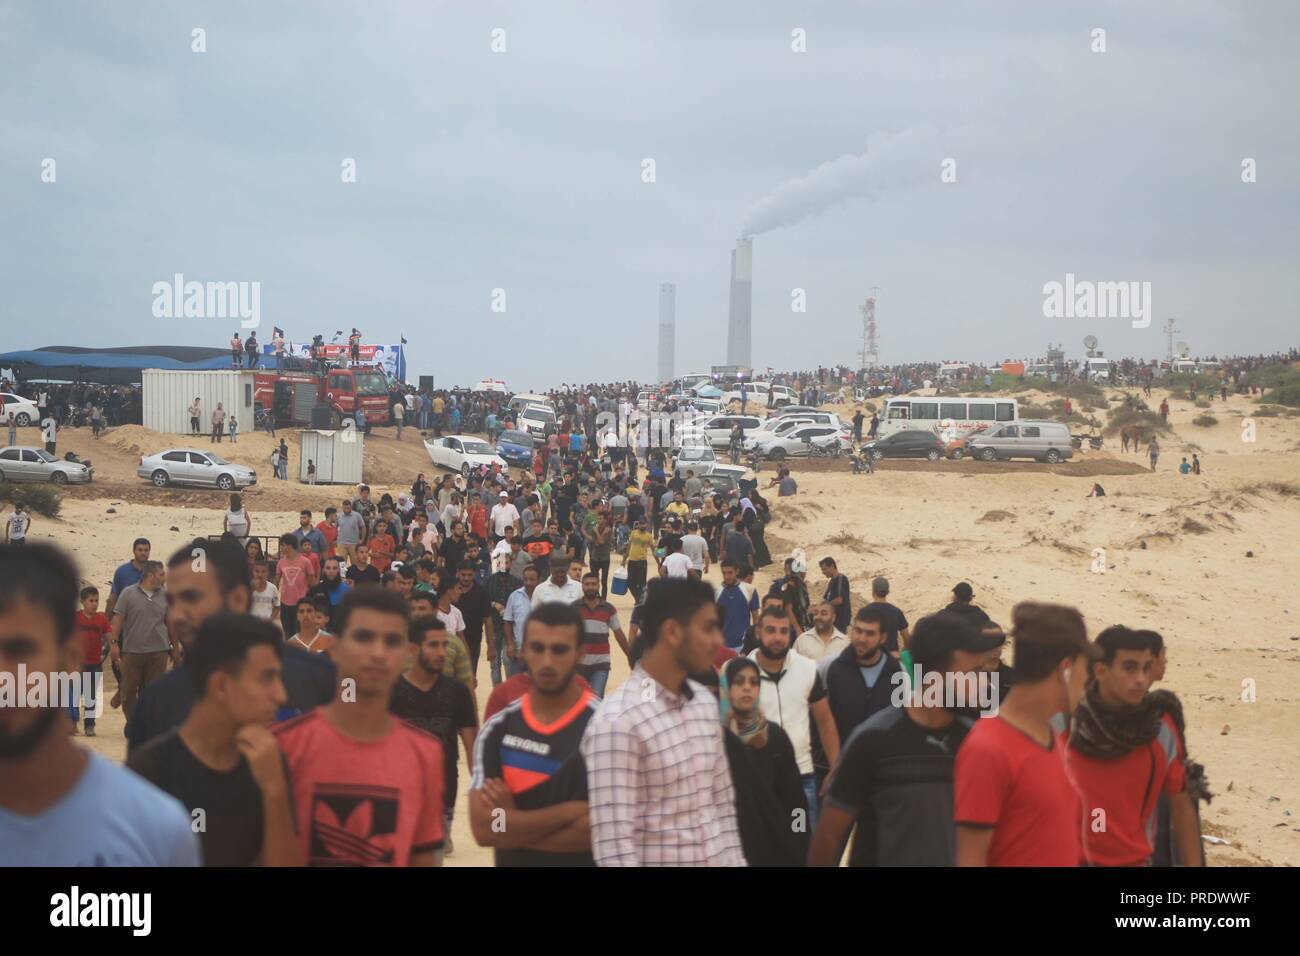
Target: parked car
<point>521,401</point>
<point>715,430</point>
<point>787,410</point>
<point>491,385</point>
<point>798,442</point>
<point>462,453</point>
<point>909,443</point>
<point>1045,441</point>
<point>516,448</point>
<point>783,425</point>
<point>22,463</point>
<point>536,420</point>
<point>24,410</point>
<point>956,447</point>
<point>702,460</point>
<point>188,466</point>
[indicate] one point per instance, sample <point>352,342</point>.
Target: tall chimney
<point>667,329</point>
<point>738,334</point>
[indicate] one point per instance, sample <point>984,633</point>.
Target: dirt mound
<point>1079,467</point>
<point>995,515</point>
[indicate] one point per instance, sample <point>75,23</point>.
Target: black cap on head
<point>937,635</point>
<point>963,592</point>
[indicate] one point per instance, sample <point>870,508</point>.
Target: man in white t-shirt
<point>266,596</point>
<point>504,515</point>
<point>696,548</point>
<point>559,587</point>
<point>447,611</point>
<point>676,564</point>
<point>17,526</point>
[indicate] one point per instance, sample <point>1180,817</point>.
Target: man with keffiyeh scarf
<point>1125,750</point>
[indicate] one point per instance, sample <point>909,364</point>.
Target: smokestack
<point>667,329</point>
<point>738,335</point>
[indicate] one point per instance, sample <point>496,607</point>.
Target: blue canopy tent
<point>116,366</point>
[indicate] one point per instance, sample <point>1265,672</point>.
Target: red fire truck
<point>291,395</point>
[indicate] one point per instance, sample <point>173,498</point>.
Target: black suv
<point>908,443</point>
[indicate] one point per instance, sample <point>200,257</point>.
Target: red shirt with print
<point>363,802</point>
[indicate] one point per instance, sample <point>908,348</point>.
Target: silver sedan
<point>22,463</point>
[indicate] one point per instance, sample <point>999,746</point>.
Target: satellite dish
<point>1090,342</point>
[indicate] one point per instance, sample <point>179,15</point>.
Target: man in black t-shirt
<point>454,546</point>
<point>222,762</point>
<point>895,626</point>
<point>362,571</point>
<point>476,608</point>
<point>438,704</point>
<point>837,594</point>
<point>894,779</point>
<point>528,794</point>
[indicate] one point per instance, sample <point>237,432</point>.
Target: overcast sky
<point>523,170</point>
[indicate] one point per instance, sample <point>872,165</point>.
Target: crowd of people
<point>309,690</point>
<point>312,705</point>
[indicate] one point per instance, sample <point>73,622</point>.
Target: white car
<point>715,430</point>
<point>536,420</point>
<point>491,385</point>
<point>798,442</point>
<point>23,463</point>
<point>189,466</point>
<point>782,426</point>
<point>463,453</point>
<point>24,410</point>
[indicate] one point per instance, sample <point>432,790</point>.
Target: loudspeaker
<point>426,383</point>
<point>322,416</point>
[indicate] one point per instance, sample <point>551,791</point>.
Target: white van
<point>1043,440</point>
<point>521,401</point>
<point>756,395</point>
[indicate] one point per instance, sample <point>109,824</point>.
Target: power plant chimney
<point>667,329</point>
<point>738,316</point>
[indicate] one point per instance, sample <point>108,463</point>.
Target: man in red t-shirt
<point>367,787</point>
<point>92,627</point>
<point>1125,751</point>
<point>329,529</point>
<point>1014,804</point>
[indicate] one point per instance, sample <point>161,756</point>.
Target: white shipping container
<point>168,394</point>
<point>336,454</point>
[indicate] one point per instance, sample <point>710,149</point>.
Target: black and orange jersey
<point>541,765</point>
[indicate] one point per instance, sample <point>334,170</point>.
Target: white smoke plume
<point>891,162</point>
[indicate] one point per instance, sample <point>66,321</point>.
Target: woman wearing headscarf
<point>771,809</point>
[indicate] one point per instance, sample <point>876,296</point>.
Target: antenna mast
<point>1169,332</point>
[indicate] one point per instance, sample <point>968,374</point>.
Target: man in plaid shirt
<point>659,786</point>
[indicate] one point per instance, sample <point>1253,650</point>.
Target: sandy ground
<point>1207,560</point>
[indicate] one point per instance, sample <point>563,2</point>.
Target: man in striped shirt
<point>599,620</point>
<point>659,786</point>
